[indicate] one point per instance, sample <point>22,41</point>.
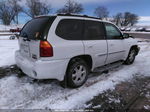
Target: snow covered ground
<point>7,50</point>
<point>21,93</point>
<point>5,28</point>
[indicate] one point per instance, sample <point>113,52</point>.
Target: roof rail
<point>76,15</point>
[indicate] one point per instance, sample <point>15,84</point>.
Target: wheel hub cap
<point>79,74</point>
<point>131,56</point>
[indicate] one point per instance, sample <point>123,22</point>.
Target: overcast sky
<point>139,7</point>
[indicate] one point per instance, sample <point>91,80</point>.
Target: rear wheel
<point>131,57</point>
<point>77,73</point>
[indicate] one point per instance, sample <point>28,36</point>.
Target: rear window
<point>37,28</point>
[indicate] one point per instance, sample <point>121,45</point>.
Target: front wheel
<point>77,73</point>
<point>131,57</point>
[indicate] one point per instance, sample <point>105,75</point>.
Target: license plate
<point>24,48</point>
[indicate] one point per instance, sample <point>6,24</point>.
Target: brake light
<point>46,49</point>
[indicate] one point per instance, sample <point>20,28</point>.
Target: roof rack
<point>75,15</point>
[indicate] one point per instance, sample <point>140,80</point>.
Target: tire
<point>77,73</point>
<point>131,57</point>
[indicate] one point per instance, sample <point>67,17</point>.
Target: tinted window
<point>112,31</point>
<point>37,28</point>
<point>70,29</point>
<point>94,30</point>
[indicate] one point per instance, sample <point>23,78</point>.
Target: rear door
<point>31,34</point>
<point>69,35</point>
<point>116,49</point>
<point>94,42</point>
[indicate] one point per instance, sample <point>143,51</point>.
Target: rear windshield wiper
<point>24,34</point>
<point>25,37</point>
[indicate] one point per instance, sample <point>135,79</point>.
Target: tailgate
<point>24,47</point>
<point>29,49</point>
<point>32,33</point>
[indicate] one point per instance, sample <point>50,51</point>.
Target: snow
<point>114,100</point>
<point>7,50</point>
<point>147,107</point>
<point>98,106</point>
<point>20,93</point>
<point>3,27</point>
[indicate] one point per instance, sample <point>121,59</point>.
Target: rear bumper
<point>54,69</point>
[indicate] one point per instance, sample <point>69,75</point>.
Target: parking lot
<point>142,35</point>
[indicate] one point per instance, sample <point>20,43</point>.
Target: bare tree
<point>126,19</point>
<point>7,13</point>
<point>16,8</point>
<point>134,19</point>
<point>36,8</point>
<point>130,19</point>
<point>118,19</point>
<point>101,12</point>
<point>71,7</point>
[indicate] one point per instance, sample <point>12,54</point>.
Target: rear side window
<point>94,30</point>
<point>112,31</point>
<point>37,28</point>
<point>70,29</point>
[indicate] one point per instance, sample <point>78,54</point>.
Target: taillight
<point>46,49</point>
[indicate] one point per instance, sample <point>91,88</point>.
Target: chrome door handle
<point>111,44</point>
<point>90,46</point>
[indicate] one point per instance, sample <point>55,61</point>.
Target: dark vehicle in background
<point>15,30</point>
<point>136,29</point>
<point>141,29</point>
<point>15,33</point>
<point>147,29</point>
<point>12,37</point>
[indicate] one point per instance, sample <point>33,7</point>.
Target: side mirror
<point>126,35</point>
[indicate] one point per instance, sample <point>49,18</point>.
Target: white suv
<point>67,47</point>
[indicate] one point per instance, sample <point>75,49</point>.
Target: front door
<point>116,49</point>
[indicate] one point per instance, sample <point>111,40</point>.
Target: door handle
<point>111,44</point>
<point>90,46</point>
